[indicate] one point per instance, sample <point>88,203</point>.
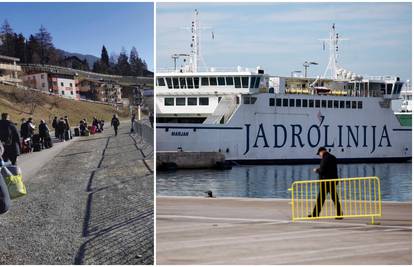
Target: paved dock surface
<point>193,230</point>
<point>91,202</point>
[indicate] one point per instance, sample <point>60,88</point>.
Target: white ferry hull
<point>268,134</point>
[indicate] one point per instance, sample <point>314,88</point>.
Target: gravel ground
<point>91,204</point>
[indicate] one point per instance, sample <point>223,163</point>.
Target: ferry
<point>255,118</point>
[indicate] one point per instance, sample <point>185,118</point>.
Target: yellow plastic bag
<point>15,186</point>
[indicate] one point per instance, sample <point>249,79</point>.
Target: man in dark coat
<point>115,124</point>
<point>328,169</point>
<point>61,127</point>
<point>43,133</point>
<point>55,125</point>
<point>9,136</point>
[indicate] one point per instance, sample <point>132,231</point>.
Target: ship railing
<point>207,69</point>
<point>348,198</point>
<point>381,78</point>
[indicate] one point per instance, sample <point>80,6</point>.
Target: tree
<point>104,57</point>
<point>20,47</point>
<point>7,40</point>
<point>122,65</point>
<point>46,48</point>
<point>32,50</point>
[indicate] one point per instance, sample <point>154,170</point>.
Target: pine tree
<point>104,57</point>
<point>122,66</point>
<point>7,35</point>
<point>32,48</point>
<point>46,48</point>
<point>20,47</point>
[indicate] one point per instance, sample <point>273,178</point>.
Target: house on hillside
<point>100,90</point>
<point>60,84</point>
<point>9,70</point>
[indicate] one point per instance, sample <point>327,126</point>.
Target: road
<point>193,230</point>
<point>90,201</point>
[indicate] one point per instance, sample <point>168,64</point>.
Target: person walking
<point>151,119</point>
<point>43,133</point>
<point>61,127</point>
<point>115,124</point>
<point>68,132</point>
<point>9,137</point>
<point>55,125</point>
<point>328,169</point>
<point>133,120</point>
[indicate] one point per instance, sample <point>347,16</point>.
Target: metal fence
<point>144,132</point>
<point>336,198</point>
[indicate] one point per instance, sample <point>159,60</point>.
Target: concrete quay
<point>193,230</point>
<point>189,160</point>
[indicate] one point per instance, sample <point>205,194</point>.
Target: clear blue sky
<point>281,36</point>
<point>85,27</point>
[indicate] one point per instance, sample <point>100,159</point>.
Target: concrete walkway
<point>90,203</point>
<point>194,230</point>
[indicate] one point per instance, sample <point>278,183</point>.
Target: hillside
<point>21,103</point>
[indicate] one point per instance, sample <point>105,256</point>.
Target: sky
<point>280,37</point>
<point>85,27</point>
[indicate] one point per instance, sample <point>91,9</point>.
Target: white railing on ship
<point>381,78</point>
<point>208,69</point>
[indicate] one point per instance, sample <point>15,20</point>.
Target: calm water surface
<point>264,181</point>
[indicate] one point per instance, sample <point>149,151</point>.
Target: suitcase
<point>48,142</point>
<point>37,146</point>
<point>77,133</point>
<point>26,146</point>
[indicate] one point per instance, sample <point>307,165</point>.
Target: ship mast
<point>195,42</point>
<point>333,65</point>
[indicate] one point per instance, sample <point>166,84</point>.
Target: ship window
<point>169,101</point>
<point>192,101</point>
<point>169,82</point>
<point>219,99</point>
<point>324,103</point>
<point>229,80</point>
<point>203,101</point>
<point>253,100</point>
<point>257,82</point>
<point>237,82</point>
<point>161,82</point>
<point>291,102</point>
<point>329,103</point>
<point>271,102</point>
<point>245,82</point>
<point>190,83</point>
<point>196,82</point>
<point>348,104</point>
<point>317,103</point>
<point>389,88</point>
<point>311,103</point>
<point>237,100</point>
<point>213,81</point>
<point>204,81</point>
<point>342,104</point>
<point>304,103</point>
<point>221,81</point>
<point>360,104</point>
<point>354,104</point>
<point>175,82</point>
<point>278,102</point>
<point>336,104</point>
<point>252,81</point>
<point>298,103</point>
<point>285,102</point>
<point>180,101</point>
<point>182,83</point>
<point>249,100</point>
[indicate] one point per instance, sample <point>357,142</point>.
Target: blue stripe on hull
<point>316,161</point>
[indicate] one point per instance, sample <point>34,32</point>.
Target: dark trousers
<point>116,130</point>
<point>327,187</point>
<point>4,196</point>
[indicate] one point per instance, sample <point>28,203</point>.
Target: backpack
<point>6,135</point>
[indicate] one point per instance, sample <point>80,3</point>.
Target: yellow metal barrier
<point>336,198</point>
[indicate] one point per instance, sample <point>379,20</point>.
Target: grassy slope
<point>17,103</point>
